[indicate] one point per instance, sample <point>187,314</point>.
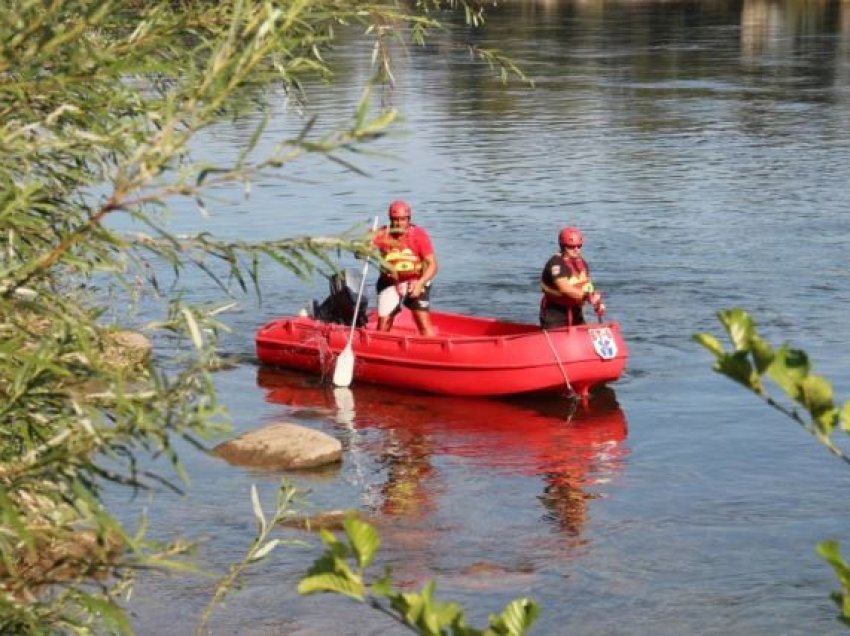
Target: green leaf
<point>737,367</point>
<point>845,417</point>
<point>327,562</point>
<point>335,583</point>
<point>447,614</point>
<point>330,540</point>
<point>517,617</point>
<point>11,520</point>
<point>108,611</point>
<point>709,342</point>
<point>408,605</point>
<point>762,353</point>
<point>264,551</point>
<point>363,107</point>
<point>830,552</point>
<point>411,606</point>
<point>788,369</point>
<point>430,621</point>
<point>258,509</point>
<point>252,142</point>
<point>739,326</point>
<point>194,329</point>
<point>378,124</point>
<point>816,394</point>
<point>383,586</point>
<point>364,540</point>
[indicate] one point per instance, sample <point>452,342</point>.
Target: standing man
<point>566,284</point>
<point>407,271</point>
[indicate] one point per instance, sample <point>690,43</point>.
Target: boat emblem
<point>603,342</point>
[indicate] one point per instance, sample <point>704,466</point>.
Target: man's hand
<point>595,299</point>
<point>416,289</point>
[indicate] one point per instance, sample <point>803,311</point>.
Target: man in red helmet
<point>409,267</point>
<point>566,284</point>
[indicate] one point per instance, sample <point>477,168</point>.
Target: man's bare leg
<point>423,322</point>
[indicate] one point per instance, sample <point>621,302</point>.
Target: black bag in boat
<point>338,307</point>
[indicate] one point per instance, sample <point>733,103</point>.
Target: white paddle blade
<point>344,399</point>
<point>344,369</point>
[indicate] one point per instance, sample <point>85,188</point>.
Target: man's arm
<point>575,292</point>
<point>428,274</point>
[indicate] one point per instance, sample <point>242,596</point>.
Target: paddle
<point>344,369</point>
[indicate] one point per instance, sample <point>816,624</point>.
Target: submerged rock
<point>282,446</point>
<point>328,520</point>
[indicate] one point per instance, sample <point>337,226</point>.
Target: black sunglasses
<point>573,247</point>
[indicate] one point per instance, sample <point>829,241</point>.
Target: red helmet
<point>399,209</point>
<point>570,236</point>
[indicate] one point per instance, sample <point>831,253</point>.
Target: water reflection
<point>575,451</point>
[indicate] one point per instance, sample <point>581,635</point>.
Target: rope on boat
<point>560,364</point>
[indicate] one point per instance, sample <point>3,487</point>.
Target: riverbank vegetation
<point>100,102</point>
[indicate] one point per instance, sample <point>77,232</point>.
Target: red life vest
<point>579,274</point>
<point>404,255</point>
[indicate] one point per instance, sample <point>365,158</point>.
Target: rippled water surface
<point>704,149</point>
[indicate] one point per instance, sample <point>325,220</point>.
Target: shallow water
<point>704,149</point>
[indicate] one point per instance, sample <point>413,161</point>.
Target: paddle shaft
<point>344,369</point>
<point>360,291</point>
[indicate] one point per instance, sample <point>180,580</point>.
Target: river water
<point>704,150</point>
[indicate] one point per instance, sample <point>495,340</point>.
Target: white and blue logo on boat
<point>603,343</point>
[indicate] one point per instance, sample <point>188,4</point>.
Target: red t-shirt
<point>404,255</point>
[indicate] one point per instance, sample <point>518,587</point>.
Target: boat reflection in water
<point>575,451</point>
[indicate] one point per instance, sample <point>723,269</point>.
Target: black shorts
<point>421,303</point>
<point>554,316</point>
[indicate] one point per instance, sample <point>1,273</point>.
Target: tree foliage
<point>753,360</point>
<point>342,570</point>
<point>100,100</point>
<point>809,400</point>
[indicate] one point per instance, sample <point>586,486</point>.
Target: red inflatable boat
<point>469,356</point>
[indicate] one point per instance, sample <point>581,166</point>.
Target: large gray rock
<point>281,446</point>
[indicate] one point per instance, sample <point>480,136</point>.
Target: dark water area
<point>704,150</point>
